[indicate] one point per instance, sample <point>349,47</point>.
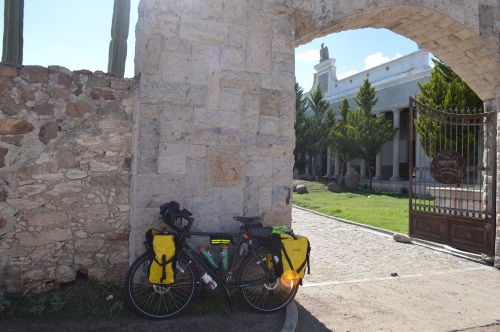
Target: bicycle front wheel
<point>267,293</point>
<point>161,301</point>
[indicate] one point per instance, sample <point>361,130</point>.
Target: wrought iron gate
<point>452,178</point>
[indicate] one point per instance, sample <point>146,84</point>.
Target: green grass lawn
<point>380,209</point>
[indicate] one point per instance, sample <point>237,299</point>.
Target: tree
<point>362,134</point>
<point>447,92</point>
<point>338,134</point>
<point>318,123</point>
<point>300,128</point>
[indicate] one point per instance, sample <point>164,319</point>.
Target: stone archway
<point>460,35</point>
<point>215,114</point>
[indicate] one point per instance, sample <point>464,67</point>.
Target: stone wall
<point>65,167</point>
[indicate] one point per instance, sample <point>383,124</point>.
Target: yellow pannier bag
<point>161,247</point>
<point>295,251</point>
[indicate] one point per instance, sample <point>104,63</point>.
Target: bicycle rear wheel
<point>161,301</point>
<point>269,294</point>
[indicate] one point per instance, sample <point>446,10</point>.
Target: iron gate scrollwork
<point>453,176</point>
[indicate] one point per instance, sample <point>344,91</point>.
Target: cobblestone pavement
<point>362,280</point>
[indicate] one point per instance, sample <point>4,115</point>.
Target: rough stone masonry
<point>86,159</point>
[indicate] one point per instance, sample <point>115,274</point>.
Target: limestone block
<point>173,93</point>
<point>172,157</point>
<point>154,190</point>
<point>202,30</point>
<point>282,195</point>
<point>33,275</point>
<point>237,35</point>
<point>278,217</point>
<point>87,140</point>
<point>176,67</point>
<point>283,170</point>
<point>212,118</point>
<point>250,113</point>
<point>44,237</point>
<point>240,80</point>
<point>15,127</point>
<point>283,27</point>
<point>269,146</point>
<point>207,209</point>
<point>284,59</point>
<point>270,102</point>
<point>233,58</point>
<point>216,136</point>
<point>259,19</point>
<point>333,187</point>
<point>195,167</point>
<point>31,190</point>
<point>148,144</point>
<point>231,204</point>
<point>269,126</point>
<point>231,100</point>
<point>234,11</point>
<point>118,254</point>
<point>259,166</point>
<point>265,194</point>
<point>225,167</point>
<point>282,77</point>
<point>258,52</point>
<point>284,46</point>
<point>96,211</point>
<point>213,90</point>
<point>47,219</point>
<point>251,196</point>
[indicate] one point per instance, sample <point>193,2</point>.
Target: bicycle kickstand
<point>229,301</point>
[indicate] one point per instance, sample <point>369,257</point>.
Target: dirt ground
<point>240,321</point>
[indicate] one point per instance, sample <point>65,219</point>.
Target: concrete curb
<point>428,244</point>
<point>292,317</point>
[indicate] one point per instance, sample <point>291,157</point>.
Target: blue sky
<point>58,32</point>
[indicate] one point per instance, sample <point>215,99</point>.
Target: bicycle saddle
<point>247,220</point>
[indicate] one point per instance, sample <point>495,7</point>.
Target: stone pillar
<point>362,169</point>
<point>337,166</point>
<point>349,165</point>
<point>378,167</point>
<point>395,147</point>
<point>329,162</point>
<point>215,114</point>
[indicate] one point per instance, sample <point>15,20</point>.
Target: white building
<point>394,82</point>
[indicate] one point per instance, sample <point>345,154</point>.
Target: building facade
<point>394,81</point>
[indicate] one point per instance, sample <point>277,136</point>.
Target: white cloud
<point>347,73</point>
<point>308,56</point>
<point>376,59</point>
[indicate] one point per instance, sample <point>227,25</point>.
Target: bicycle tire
<point>266,297</point>
<point>161,301</point>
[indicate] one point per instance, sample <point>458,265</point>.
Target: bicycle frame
<point>199,258</point>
